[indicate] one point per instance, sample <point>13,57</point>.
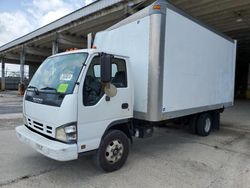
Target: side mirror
<point>106,61</point>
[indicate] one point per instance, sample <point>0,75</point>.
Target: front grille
<point>40,127</point>
<point>49,129</point>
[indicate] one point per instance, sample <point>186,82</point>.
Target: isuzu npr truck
<point>156,66</point>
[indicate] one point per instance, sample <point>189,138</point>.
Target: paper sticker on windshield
<point>66,77</point>
<point>62,88</point>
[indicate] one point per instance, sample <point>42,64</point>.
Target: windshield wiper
<point>49,88</point>
<point>35,89</point>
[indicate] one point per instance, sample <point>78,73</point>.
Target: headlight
<point>70,129</point>
<point>67,133</point>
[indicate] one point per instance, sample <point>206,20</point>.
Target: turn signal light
<point>71,49</point>
<point>157,7</point>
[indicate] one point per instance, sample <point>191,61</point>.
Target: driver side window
<point>92,88</point>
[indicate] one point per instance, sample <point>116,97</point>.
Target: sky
<point>19,17</point>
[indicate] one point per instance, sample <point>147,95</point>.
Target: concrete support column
<point>249,77</point>
<point>3,75</point>
<point>32,70</point>
<point>22,62</point>
<point>55,45</point>
<point>248,83</point>
<point>89,40</point>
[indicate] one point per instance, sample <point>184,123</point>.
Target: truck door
<point>96,111</point>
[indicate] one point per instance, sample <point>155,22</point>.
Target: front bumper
<point>50,148</point>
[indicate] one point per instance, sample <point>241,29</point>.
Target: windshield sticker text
<point>66,77</point>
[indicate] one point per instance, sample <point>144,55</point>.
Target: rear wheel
<point>204,124</point>
<point>113,151</point>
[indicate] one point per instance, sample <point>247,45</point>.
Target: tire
<point>204,124</point>
<point>113,151</point>
<point>193,124</point>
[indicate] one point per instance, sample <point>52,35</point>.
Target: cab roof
<point>90,51</point>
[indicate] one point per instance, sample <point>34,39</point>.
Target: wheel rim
<point>207,125</point>
<point>114,151</point>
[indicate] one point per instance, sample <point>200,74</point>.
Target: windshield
<point>58,74</point>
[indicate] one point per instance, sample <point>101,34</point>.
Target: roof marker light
<point>157,7</point>
<point>71,49</point>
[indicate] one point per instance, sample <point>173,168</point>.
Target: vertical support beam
<point>22,62</point>
<point>55,45</point>
<point>32,69</point>
<point>3,75</point>
<point>248,76</point>
<point>89,40</point>
<point>248,83</point>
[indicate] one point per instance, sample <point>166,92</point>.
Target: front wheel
<point>113,151</point>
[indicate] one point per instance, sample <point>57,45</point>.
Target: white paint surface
<point>198,67</point>
<point>94,120</point>
<point>131,40</point>
<point>50,148</point>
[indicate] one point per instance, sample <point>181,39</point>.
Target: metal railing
<point>12,79</point>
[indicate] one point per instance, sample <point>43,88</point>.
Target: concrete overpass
<point>70,31</point>
<point>228,16</point>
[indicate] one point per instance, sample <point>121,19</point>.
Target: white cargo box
<point>179,65</point>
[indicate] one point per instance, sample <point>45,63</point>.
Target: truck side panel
<point>199,67</point>
<point>131,40</point>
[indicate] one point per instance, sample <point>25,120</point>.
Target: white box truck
<point>157,65</point>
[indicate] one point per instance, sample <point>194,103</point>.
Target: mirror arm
<point>107,98</point>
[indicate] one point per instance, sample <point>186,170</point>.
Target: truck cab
<point>74,100</point>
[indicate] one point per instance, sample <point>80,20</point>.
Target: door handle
<point>124,105</point>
